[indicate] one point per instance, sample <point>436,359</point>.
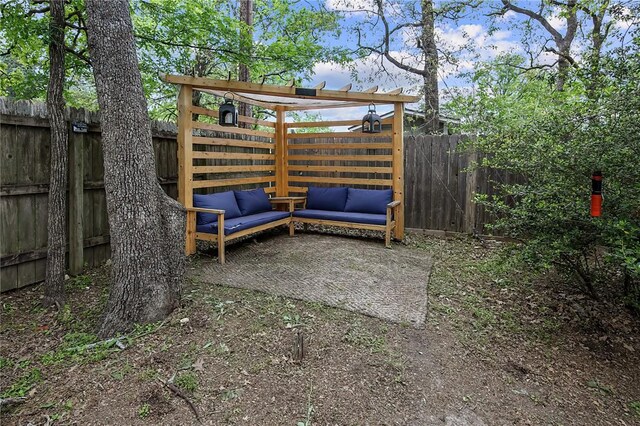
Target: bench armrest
<point>391,210</point>
<point>202,210</point>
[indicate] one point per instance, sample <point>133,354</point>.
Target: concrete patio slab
<point>356,274</point>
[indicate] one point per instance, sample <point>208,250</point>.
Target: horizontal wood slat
<point>269,189</point>
<point>241,118</point>
<point>213,237</point>
<point>340,158</point>
<point>232,182</point>
<point>298,189</point>
<point>231,155</point>
<point>385,134</point>
<point>229,129</point>
<point>330,123</point>
<point>233,169</point>
<point>199,140</point>
<point>339,169</point>
<point>341,224</point>
<point>29,256</point>
<point>351,181</point>
<point>43,188</point>
<point>380,145</point>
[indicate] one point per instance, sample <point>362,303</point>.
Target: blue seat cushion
<point>253,201</point>
<point>372,219</point>
<point>372,201</point>
<point>326,198</point>
<point>223,201</point>
<point>243,222</point>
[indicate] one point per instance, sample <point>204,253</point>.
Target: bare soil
<point>501,346</point>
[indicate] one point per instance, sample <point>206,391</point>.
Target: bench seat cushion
<point>368,218</point>
<point>241,223</point>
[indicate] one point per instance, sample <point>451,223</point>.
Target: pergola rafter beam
<point>395,91</point>
<point>286,91</point>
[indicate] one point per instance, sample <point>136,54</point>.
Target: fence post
<point>470,213</point>
<point>76,193</point>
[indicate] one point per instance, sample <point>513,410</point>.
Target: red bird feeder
<point>596,194</point>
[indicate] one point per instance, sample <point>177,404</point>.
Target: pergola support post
<point>282,172</point>
<point>185,163</point>
<point>398,167</point>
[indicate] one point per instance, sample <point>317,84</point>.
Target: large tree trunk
<point>246,45</point>
<point>147,227</point>
<point>430,76</point>
<point>56,224</point>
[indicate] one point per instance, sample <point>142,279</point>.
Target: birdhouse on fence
<point>371,123</point>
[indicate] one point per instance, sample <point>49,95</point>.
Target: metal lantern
<point>227,113</point>
<point>371,123</point>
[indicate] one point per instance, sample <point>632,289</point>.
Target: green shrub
<point>553,141</point>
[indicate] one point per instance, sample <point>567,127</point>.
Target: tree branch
<point>38,11</point>
<point>80,55</point>
<point>533,15</point>
<point>566,57</point>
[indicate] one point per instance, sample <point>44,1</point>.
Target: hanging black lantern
<point>227,113</point>
<point>371,123</point>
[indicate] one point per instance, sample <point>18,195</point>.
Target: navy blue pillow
<point>368,200</point>
<point>253,201</point>
<point>223,201</point>
<point>332,199</point>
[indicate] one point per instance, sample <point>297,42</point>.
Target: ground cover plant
<point>502,345</point>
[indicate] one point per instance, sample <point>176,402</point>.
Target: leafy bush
<point>555,141</point>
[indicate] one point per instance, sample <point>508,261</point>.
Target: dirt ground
<point>500,346</point>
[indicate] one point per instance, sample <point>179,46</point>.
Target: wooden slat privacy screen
<point>285,158</point>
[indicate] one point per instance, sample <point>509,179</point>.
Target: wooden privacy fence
<point>438,193</point>
<point>24,184</point>
<point>440,189</point>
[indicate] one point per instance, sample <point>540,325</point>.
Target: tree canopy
<point>188,37</point>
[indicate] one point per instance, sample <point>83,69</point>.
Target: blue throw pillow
<point>253,201</point>
<point>332,199</point>
<point>223,201</point>
<point>368,200</point>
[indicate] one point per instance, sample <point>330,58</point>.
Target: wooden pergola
<point>272,155</point>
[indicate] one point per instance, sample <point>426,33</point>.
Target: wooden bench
<point>249,212</point>
<point>350,208</point>
<point>224,229</point>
